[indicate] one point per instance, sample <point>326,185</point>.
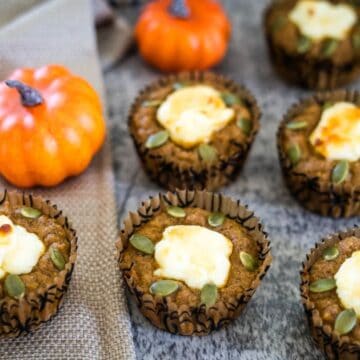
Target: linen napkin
<point>93,322</point>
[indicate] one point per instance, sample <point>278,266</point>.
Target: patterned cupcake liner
<point>171,175</point>
<point>21,316</point>
<point>334,346</point>
<point>197,320</point>
<point>321,197</point>
<point>316,74</point>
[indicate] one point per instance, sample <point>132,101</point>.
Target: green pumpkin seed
<point>303,45</point>
<point>216,219</point>
<point>296,125</point>
<point>230,99</point>
<point>329,47</point>
<point>340,172</point>
<point>30,212</point>
<point>322,285</point>
<point>158,139</point>
<point>57,258</point>
<point>331,253</point>
<point>176,211</point>
<point>249,262</point>
<point>151,103</point>
<point>294,154</point>
<point>164,287</point>
<point>209,294</point>
<point>245,125</point>
<point>208,153</point>
<point>356,40</point>
<point>327,105</point>
<point>279,23</point>
<point>14,286</point>
<point>345,321</point>
<point>178,85</point>
<point>142,243</point>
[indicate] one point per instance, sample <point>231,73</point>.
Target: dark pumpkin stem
<point>179,9</point>
<point>29,96</point>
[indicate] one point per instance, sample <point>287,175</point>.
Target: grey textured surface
<point>273,325</point>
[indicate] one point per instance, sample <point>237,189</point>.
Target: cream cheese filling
<point>320,19</point>
<point>193,114</point>
<point>348,283</point>
<point>20,250</point>
<point>193,254</point>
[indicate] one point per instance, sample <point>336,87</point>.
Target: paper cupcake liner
<point>22,316</point>
<point>197,320</point>
<point>316,74</point>
<point>334,346</point>
<point>321,197</point>
<point>172,176</point>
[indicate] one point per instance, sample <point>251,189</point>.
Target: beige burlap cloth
<point>93,322</point>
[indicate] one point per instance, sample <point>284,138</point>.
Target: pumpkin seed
<point>176,211</point>
<point>331,253</point>
<point>249,262</point>
<point>279,23</point>
<point>216,219</point>
<point>30,212</point>
<point>294,154</point>
<point>207,153</point>
<point>296,125</point>
<point>178,85</point>
<point>245,125</point>
<point>14,286</point>
<point>329,47</point>
<point>340,172</point>
<point>57,258</point>
<point>151,103</point>
<point>303,45</point>
<point>356,40</point>
<point>142,243</point>
<point>327,105</point>
<point>158,139</point>
<point>230,99</point>
<point>164,287</point>
<point>209,294</point>
<point>322,285</point>
<point>345,321</point>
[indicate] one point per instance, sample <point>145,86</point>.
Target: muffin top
<point>194,121</point>
<point>34,248</point>
<point>334,287</point>
<point>192,257</point>
<point>323,30</point>
<point>322,140</point>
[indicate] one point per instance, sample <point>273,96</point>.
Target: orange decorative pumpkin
<point>175,35</point>
<point>51,125</point>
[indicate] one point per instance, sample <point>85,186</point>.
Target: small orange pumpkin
<point>175,35</point>
<point>51,125</point>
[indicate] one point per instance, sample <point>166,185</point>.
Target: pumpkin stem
<point>179,9</point>
<point>29,96</point>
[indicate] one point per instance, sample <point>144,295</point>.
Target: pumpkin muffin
<point>315,44</point>
<point>319,151</point>
<point>193,130</point>
<point>37,256</point>
<point>177,285</point>
<point>330,294</point>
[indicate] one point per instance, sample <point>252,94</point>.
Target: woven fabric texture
<point>93,322</point>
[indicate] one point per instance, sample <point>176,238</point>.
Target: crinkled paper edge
<point>334,346</point>
<point>169,174</point>
<point>316,74</point>
<point>22,316</point>
<point>162,312</point>
<point>321,197</point>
